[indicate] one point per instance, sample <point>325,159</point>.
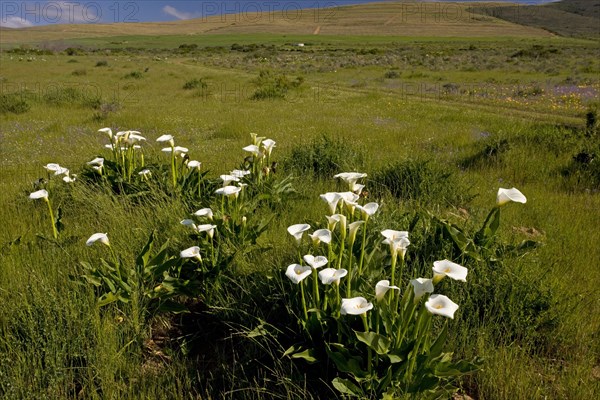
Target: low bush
<point>323,158</point>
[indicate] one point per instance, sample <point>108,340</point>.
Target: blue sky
<point>19,14</point>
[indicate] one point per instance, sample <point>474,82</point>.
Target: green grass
<point>55,343</point>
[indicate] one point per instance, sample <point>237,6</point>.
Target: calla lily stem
<point>54,230</point>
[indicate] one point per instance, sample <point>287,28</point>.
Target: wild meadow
<point>250,219</point>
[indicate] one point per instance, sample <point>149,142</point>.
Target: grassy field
<point>439,124</point>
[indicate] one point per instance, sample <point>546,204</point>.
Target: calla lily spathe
<point>204,212</point>
<point>421,286</point>
<point>40,194</point>
<point>298,230</point>
<point>188,222</point>
<point>448,268</point>
<point>208,228</point>
<point>178,150</point>
<point>194,164</point>
<point>229,191</point>
<point>297,273</point>
<point>167,138</point>
<point>441,305</point>
<point>315,262</point>
<point>351,178</point>
<point>98,161</point>
<point>321,235</point>
<point>353,229</point>
<point>368,210</point>
<point>332,275</point>
<point>254,149</point>
<point>240,173</point>
<point>98,237</point>
<point>355,306</point>
<point>227,179</point>
<point>332,199</point>
<point>268,145</point>
<point>191,252</point>
<point>507,195</point>
<point>382,287</point>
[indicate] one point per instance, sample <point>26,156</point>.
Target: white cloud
<point>176,13</point>
<point>14,22</point>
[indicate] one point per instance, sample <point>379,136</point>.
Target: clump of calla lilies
<point>373,322</point>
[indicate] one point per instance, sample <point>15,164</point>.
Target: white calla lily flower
<point>368,210</point>
<point>268,145</point>
<point>298,230</point>
<point>355,306</point>
<point>448,268</point>
<point>382,287</point>
<point>505,196</point>
<point>296,272</point>
<point>204,212</point>
<point>229,191</point>
<point>167,138</point>
<point>351,178</point>
<point>178,150</point>
<point>332,199</point>
<point>240,173</point>
<point>194,164</point>
<point>315,262</point>
<point>254,149</point>
<point>421,286</point>
<point>227,179</point>
<point>208,228</point>
<point>441,305</point>
<point>98,161</point>
<point>69,179</point>
<point>98,237</point>
<point>191,252</point>
<point>332,275</point>
<point>145,172</point>
<point>188,222</point>
<point>321,235</point>
<point>353,229</point>
<point>40,194</point>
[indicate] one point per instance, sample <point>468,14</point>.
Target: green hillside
<point>570,18</point>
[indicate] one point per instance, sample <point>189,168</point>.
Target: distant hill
<point>410,19</point>
<point>571,18</point>
<point>586,8</point>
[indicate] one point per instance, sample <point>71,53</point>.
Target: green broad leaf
<point>436,349</point>
<point>259,331</point>
<point>142,258</point>
<point>174,307</point>
<point>308,355</point>
<point>347,387</point>
<point>345,361</point>
<point>448,369</point>
<point>157,270</point>
<point>292,349</point>
<point>107,298</point>
<point>93,280</point>
<point>395,358</point>
<point>379,343</point>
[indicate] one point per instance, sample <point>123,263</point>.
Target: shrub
<point>195,83</point>
<point>102,63</point>
<point>79,72</point>
<point>420,180</point>
<point>489,152</point>
<point>273,86</point>
<point>134,75</point>
<point>72,96</point>
<point>13,103</point>
<point>323,157</point>
<point>392,74</point>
